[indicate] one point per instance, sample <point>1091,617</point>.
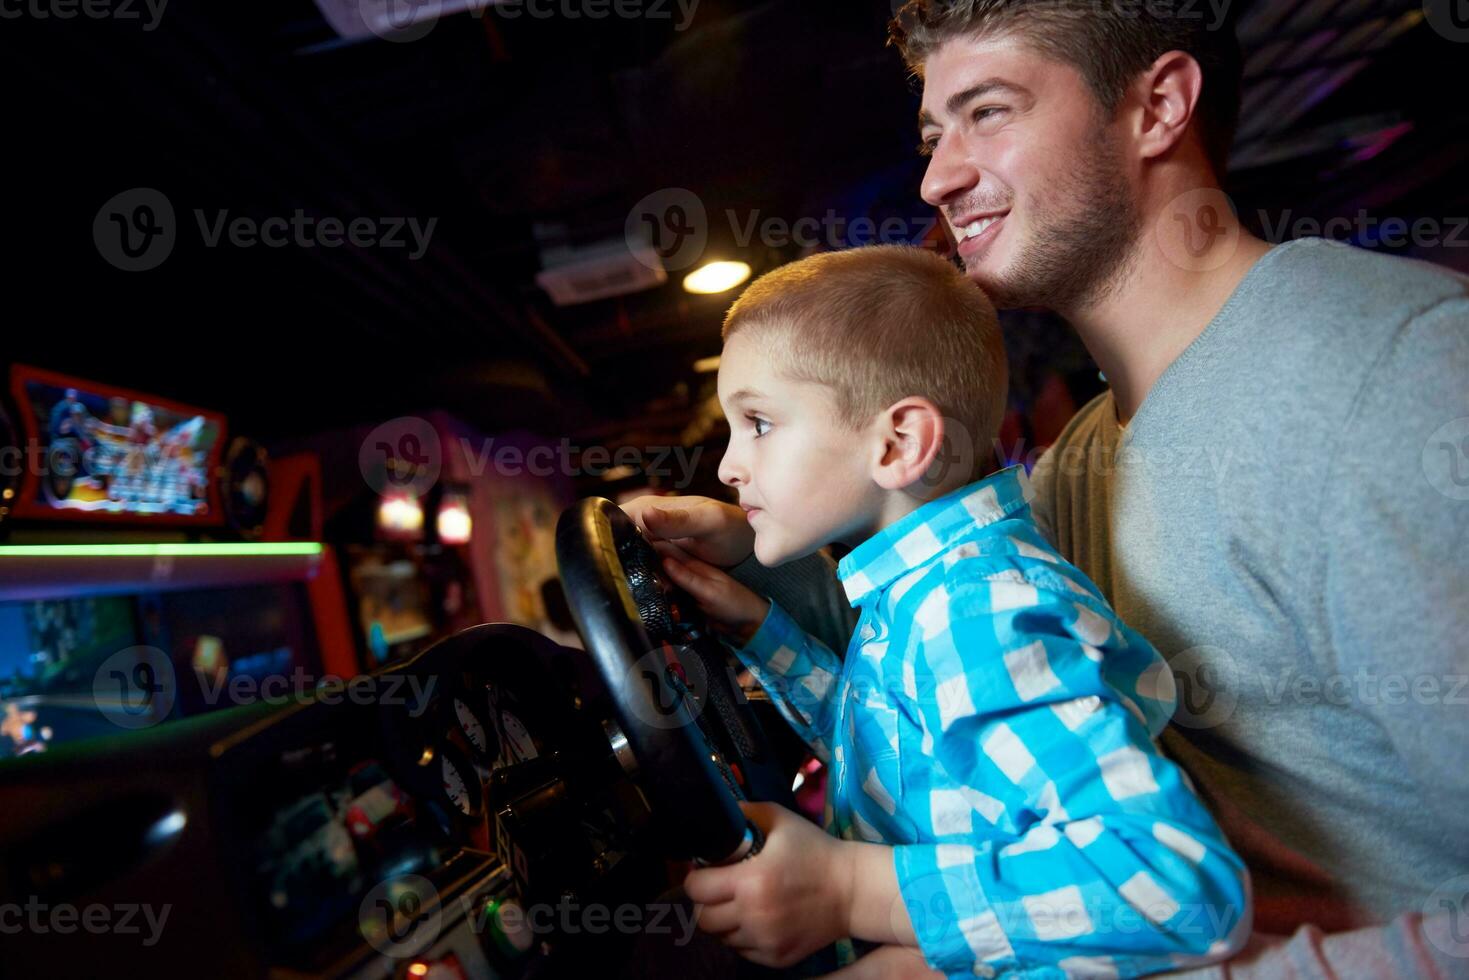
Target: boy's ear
<point>910,437</point>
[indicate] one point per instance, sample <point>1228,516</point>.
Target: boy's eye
<point>758,422</point>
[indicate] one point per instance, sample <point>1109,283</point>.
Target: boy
<point>995,798</point>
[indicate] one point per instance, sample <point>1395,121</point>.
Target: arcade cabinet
<point>145,565</point>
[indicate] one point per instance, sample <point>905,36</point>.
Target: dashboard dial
<point>517,737</point>
<point>460,781</point>
<point>516,742</point>
<point>479,737</point>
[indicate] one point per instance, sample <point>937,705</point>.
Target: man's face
<point>1029,176</point>
<point>802,475</point>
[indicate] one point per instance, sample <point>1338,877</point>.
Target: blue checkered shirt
<point>993,721</point>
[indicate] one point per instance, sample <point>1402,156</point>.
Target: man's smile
<point>975,232</point>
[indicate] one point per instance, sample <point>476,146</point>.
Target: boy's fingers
<point>703,569</point>
<point>696,577</point>
<point>678,570</point>
<point>721,920</point>
<point>711,886</point>
<point>757,955</point>
<point>670,549</point>
<point>639,508</point>
<point>762,815</point>
<point>673,522</point>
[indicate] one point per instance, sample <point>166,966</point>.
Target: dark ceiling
<point>518,135</point>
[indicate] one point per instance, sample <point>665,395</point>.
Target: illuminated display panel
<point>99,452</point>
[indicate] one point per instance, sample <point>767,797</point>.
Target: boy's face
<point>803,477</point>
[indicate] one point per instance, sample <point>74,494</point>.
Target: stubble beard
<point>1081,251</point>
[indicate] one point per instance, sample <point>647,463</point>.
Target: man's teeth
<point>978,228</point>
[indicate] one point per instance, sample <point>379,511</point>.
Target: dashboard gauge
<point>516,742</point>
<point>480,737</point>
<point>517,738</point>
<point>461,784</point>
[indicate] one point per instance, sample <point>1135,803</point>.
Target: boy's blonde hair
<point>880,324</point>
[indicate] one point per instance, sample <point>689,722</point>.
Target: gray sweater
<point>1287,519</point>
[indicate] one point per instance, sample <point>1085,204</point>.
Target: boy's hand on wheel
<point>728,604</point>
<point>707,529</point>
<point>784,903</point>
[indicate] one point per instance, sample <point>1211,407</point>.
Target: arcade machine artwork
<point>133,551</point>
<point>118,453</point>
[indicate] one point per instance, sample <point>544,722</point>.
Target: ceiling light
<point>716,277</point>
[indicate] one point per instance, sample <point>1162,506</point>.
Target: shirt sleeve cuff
<point>774,645</point>
<point>956,927</point>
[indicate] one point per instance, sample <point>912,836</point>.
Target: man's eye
<point>980,115</point>
<point>757,421</point>
<point>927,147</point>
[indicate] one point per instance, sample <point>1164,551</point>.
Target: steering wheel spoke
<point>698,747</point>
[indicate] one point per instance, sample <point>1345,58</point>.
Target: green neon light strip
<point>183,550</point>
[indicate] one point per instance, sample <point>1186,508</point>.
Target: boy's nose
<point>731,471</point>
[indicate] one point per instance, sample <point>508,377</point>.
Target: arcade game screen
<point>110,453</point>
<point>50,652</point>
<point>216,636</point>
<point>393,605</point>
<point>53,652</point>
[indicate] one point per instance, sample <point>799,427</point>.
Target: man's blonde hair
<point>880,324</point>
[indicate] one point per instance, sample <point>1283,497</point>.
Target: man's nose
<point>951,173</point>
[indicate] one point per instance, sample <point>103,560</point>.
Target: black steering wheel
<point>695,746</point>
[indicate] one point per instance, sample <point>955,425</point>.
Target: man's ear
<point>1166,95</point>
<point>910,434</point>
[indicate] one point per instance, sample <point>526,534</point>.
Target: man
<point>1282,436</point>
